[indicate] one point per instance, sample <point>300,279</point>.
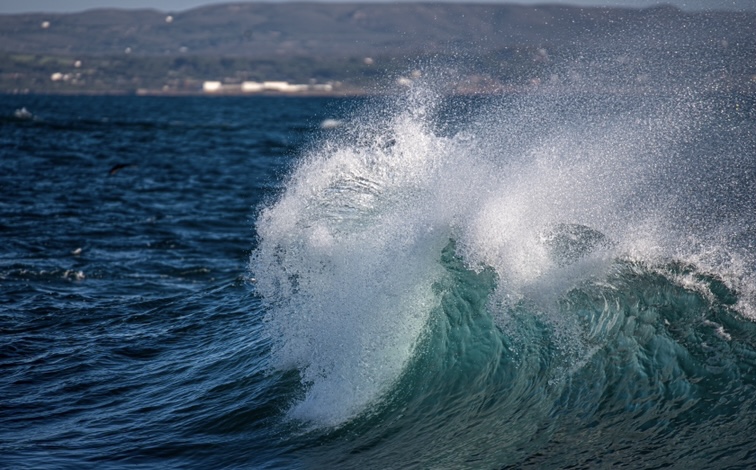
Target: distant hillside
<point>127,49</point>
<point>270,30</point>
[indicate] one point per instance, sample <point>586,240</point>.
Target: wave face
<point>527,281</point>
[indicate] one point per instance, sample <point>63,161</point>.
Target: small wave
<point>23,114</point>
<point>331,123</point>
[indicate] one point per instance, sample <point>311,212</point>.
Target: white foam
<point>349,253</point>
<point>347,260</point>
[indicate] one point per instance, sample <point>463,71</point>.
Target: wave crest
<point>350,252</point>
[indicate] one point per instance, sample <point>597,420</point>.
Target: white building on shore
<point>212,87</point>
<point>266,86</point>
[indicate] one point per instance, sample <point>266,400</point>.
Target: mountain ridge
<point>269,30</point>
<point>358,43</point>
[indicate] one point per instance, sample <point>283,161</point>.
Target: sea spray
<point>347,261</point>
<point>350,255</point>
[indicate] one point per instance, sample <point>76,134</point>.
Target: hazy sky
<point>20,6</point>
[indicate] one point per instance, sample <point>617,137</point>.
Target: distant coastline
<point>359,49</point>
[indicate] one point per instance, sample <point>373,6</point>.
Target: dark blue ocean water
<point>545,281</point>
<point>129,332</point>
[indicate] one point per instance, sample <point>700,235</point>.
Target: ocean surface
<point>547,279</point>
